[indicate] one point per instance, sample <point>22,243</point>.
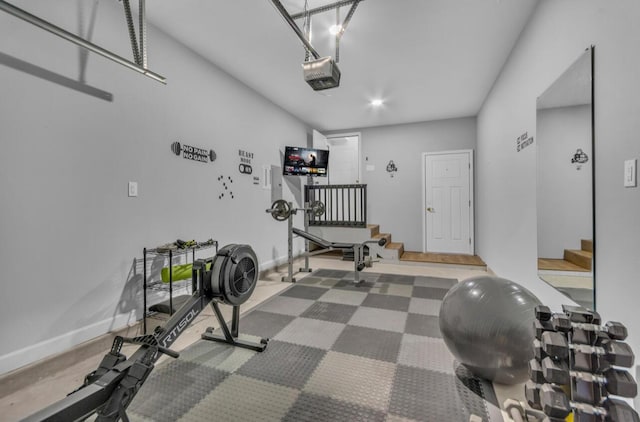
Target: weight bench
<point>357,248</point>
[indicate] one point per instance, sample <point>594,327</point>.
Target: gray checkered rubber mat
<point>337,352</point>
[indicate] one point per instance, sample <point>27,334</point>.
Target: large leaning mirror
<point>565,189</point>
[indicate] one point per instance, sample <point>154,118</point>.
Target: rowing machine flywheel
<point>234,274</point>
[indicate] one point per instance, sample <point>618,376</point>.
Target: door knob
<point>430,209</point>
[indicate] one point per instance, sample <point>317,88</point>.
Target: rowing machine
<point>109,390</point>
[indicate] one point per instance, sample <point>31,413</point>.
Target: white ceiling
<point>428,59</point>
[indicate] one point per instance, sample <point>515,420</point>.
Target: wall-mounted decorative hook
<point>391,168</point>
<point>579,158</point>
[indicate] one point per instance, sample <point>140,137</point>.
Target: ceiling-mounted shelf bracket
<point>138,66</point>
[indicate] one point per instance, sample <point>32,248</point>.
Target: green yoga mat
<point>179,272</point>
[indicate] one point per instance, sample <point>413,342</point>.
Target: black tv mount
<point>109,389</point>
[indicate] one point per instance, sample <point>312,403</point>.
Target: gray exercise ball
<point>487,324</point>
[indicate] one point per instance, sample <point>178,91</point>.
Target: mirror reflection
<point>565,196</point>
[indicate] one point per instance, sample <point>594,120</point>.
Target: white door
<point>344,159</point>
<point>448,205</point>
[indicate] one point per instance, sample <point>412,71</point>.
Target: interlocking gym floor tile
<point>304,292</point>
<point>314,408</point>
<point>333,312</point>
<point>425,306</point>
<point>442,283</point>
<point>223,357</point>
<point>381,319</point>
<point>396,418</point>
<point>323,272</point>
<point>286,305</point>
<point>365,284</point>
<point>311,332</point>
<point>470,390</point>
<point>365,382</point>
<point>369,343</point>
<point>344,297</point>
<point>427,353</point>
<point>397,279</point>
<point>284,364</point>
<point>264,324</point>
<point>433,396</point>
<point>423,325</point>
<point>243,399</point>
<point>161,400</point>
<point>429,292</point>
<point>393,303</point>
<point>318,281</point>
<point>404,290</point>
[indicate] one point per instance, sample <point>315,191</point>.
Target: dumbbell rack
<point>578,367</point>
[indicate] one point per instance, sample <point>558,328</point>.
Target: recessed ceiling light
<point>377,102</point>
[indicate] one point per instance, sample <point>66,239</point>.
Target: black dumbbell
<point>594,358</point>
<point>581,315</point>
<point>555,344</point>
<point>616,381</point>
<point>532,394</point>
<point>555,371</point>
<point>561,322</point>
<point>535,372</point>
<point>543,313</point>
<point>619,411</point>
<point>554,402</point>
<point>618,353</point>
<point>592,333</point>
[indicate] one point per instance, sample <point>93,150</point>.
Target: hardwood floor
<point>443,258</point>
<point>559,265</point>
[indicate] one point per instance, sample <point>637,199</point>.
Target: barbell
<point>282,210</point>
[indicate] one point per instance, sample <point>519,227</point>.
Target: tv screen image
<point>300,161</point>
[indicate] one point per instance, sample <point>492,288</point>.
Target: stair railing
<point>345,205</point>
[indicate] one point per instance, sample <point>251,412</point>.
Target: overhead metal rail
<point>139,66</point>
<point>325,8</point>
<point>290,19</point>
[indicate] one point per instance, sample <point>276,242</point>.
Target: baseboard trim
<point>19,368</point>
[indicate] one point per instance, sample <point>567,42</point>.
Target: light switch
<point>133,189</point>
<point>630,173</point>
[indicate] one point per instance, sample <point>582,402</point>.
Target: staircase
<point>581,257</point>
<point>578,260</point>
<point>391,250</point>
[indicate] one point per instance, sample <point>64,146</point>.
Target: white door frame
<point>471,196</point>
<point>347,134</point>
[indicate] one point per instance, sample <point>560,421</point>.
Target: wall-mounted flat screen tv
<point>300,161</point>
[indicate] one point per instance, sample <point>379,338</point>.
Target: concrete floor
<point>30,389</point>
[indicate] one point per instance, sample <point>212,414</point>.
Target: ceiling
<point>427,59</point>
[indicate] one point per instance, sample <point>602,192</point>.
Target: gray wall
<point>69,232</point>
<point>395,203</point>
<point>559,31</point>
<point>564,195</point>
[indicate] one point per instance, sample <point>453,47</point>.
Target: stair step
<point>383,235</point>
<point>397,246</point>
<point>586,245</point>
<point>375,229</point>
<point>579,257</point>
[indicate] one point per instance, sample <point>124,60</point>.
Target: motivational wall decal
<point>245,162</point>
<point>190,152</point>
<point>523,141</point>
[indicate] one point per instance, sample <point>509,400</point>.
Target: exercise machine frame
<point>109,389</point>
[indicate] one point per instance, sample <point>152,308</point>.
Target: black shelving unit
<point>167,254</point>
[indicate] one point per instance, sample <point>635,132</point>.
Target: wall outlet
<point>133,189</point>
<point>630,173</point>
